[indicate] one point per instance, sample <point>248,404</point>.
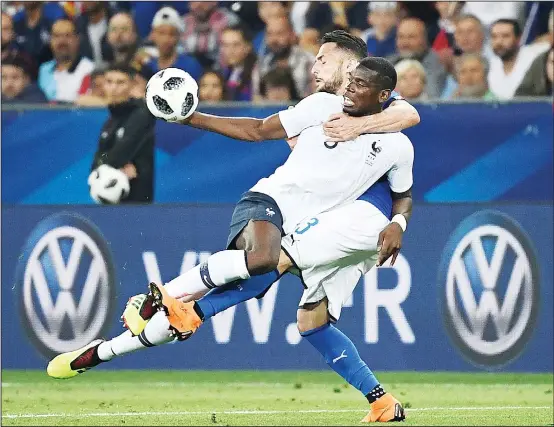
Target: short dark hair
<point>346,41</point>
<point>246,34</point>
<point>20,60</point>
<point>63,19</point>
<point>384,68</point>
<point>279,77</point>
<point>121,67</point>
<point>515,25</point>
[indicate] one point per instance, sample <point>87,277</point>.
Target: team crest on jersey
<point>375,148</point>
<point>371,156</point>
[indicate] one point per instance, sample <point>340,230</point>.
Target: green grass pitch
<point>269,398</point>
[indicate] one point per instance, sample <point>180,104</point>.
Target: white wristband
<point>401,221</point>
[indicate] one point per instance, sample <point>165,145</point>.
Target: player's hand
<point>389,243</point>
<point>340,127</point>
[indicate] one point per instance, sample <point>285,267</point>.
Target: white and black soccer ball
<point>172,94</point>
<point>108,185</point>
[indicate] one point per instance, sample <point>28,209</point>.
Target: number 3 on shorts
<point>309,224</point>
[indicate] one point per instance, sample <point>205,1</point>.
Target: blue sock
<point>342,356</point>
<point>223,297</point>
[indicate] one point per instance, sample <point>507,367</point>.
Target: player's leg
<point>254,246</point>
<point>253,249</point>
<point>223,297</point>
<point>340,353</point>
<point>70,364</point>
<point>345,239</point>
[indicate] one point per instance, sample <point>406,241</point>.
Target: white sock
<point>155,333</point>
<point>221,268</point>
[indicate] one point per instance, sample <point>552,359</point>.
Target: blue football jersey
<point>379,193</point>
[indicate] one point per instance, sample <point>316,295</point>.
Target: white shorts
<point>333,250</point>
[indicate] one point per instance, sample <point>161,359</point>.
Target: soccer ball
<point>172,94</point>
<point>108,185</point>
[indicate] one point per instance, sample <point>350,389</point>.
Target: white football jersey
<point>316,178</point>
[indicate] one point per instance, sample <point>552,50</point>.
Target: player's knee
<point>262,260</point>
<point>305,321</point>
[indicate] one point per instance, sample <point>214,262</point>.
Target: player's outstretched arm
<point>398,116</point>
<point>311,111</point>
<point>390,239</point>
<point>241,128</point>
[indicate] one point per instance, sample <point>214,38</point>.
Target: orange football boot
<point>385,409</point>
<point>183,320</point>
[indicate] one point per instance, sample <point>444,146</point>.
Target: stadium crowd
<point>55,52</point>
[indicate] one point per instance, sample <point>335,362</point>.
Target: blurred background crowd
<point>56,52</point>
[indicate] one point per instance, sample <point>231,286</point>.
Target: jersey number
<point>309,224</point>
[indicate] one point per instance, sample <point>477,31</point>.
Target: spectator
<point>268,11</point>
<point>305,15</point>
<point>442,33</point>
<point>278,86</point>
<point>17,86</point>
<point>122,38</point>
<point>284,53</point>
<point>511,62</point>
<point>33,26</point>
<point>356,13</point>
<point>238,62</point>
<point>471,74</point>
<point>489,12</point>
<point>411,81</point>
<point>127,138</point>
<point>95,95</point>
<point>381,37</point>
<point>351,15</point>
<point>65,77</point>
<point>167,27</point>
<point>309,20</point>
<point>203,27</point>
<point>538,80</point>
<point>144,11</point>
<point>411,43</point>
<point>8,36</point>
<point>469,37</point>
<point>92,27</point>
<point>211,87</point>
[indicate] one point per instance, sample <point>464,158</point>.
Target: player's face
<point>117,86</point>
<point>363,93</point>
<point>330,68</point>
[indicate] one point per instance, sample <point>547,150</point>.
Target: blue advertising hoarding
<point>472,290</point>
<point>457,148</point>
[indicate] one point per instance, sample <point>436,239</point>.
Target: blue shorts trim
<point>253,206</point>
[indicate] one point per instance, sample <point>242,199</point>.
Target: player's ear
<point>384,95</point>
<point>351,65</point>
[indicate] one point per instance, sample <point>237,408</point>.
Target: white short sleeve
<point>313,110</point>
<point>400,176</point>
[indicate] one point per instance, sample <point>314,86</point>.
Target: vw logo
<point>66,281</point>
<point>489,284</point>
